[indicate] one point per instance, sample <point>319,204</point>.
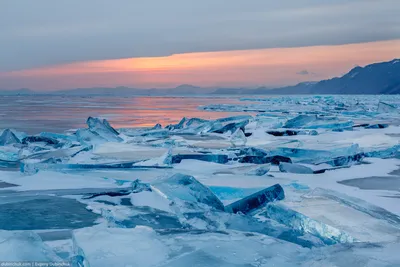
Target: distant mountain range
<point>377,78</point>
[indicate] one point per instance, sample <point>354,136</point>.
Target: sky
<point>50,45</point>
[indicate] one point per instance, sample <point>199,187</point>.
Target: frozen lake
<point>34,114</point>
<point>240,181</point>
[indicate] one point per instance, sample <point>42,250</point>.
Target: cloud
<point>303,72</point>
<point>246,68</point>
<point>47,32</point>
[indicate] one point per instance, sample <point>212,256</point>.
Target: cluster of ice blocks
<point>313,181</point>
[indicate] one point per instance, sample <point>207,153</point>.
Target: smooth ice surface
<point>142,246</point>
<point>128,151</point>
<point>24,246</point>
<point>119,247</point>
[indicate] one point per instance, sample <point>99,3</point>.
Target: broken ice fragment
<point>31,168</point>
<point>8,137</point>
<point>187,188</point>
<point>157,127</point>
<point>299,121</point>
<point>358,204</point>
<point>87,137</point>
<point>384,153</point>
<point>9,164</point>
<point>334,126</point>
<point>41,139</point>
<point>96,124</point>
<point>59,136</point>
<point>346,160</point>
<point>235,118</point>
<point>176,126</point>
<point>274,160</point>
<point>217,158</point>
<point>300,222</point>
<point>298,186</point>
<point>260,171</point>
<point>307,132</point>
<point>283,133</point>
<point>229,124</point>
<point>238,138</point>
<point>158,133</point>
<point>257,170</point>
<point>256,200</point>
<point>136,187</point>
<point>361,125</point>
<point>252,151</point>
<point>231,127</point>
<point>292,132</point>
<point>386,108</point>
<point>317,155</point>
<point>294,168</point>
<point>103,129</point>
<point>377,126</point>
<point>195,122</point>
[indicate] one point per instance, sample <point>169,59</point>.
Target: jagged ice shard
<point>103,129</point>
<point>8,137</point>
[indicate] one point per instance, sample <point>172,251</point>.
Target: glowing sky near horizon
<point>240,68</point>
<point>49,45</point>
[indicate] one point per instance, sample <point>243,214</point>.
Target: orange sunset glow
<point>247,68</point>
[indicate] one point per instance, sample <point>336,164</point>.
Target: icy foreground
<point>300,181</point>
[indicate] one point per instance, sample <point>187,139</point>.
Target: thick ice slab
<point>353,220</point>
<point>300,222</point>
<point>187,188</point>
<point>257,200</point>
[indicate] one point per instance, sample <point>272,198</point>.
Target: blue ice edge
<point>230,193</point>
<point>298,221</point>
<point>255,201</point>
